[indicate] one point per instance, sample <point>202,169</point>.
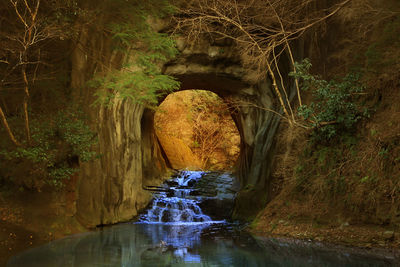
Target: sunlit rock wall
<point>110,188</point>
<point>179,155</point>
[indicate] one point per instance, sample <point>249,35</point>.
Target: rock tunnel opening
<point>132,158</point>
<point>111,189</point>
<point>195,130</point>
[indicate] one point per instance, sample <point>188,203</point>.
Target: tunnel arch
<point>227,87</point>
<point>217,67</point>
<point>111,189</point>
<point>256,125</point>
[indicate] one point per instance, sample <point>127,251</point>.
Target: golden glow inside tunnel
<point>196,131</point>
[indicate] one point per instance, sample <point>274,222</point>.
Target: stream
<point>174,231</point>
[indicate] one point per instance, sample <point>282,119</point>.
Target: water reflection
<point>137,245</point>
<point>181,245</point>
<point>175,232</point>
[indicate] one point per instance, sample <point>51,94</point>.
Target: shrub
<point>59,143</point>
<point>334,108</point>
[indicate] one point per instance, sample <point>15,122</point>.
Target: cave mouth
<point>196,131</point>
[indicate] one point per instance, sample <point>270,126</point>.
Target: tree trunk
<point>8,130</point>
<point>26,99</point>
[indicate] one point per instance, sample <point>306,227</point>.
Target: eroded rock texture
<point>110,188</point>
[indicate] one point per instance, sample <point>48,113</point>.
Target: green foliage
<point>71,128</point>
<point>138,86</point>
<point>140,79</point>
<point>58,143</point>
<point>334,109</point>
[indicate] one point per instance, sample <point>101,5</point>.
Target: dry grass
<point>356,179</point>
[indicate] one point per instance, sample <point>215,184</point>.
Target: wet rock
<point>166,216</point>
<point>170,193</point>
<point>220,191</point>
<point>218,209</point>
<point>186,217</point>
<point>191,183</point>
<point>195,193</point>
<point>172,183</point>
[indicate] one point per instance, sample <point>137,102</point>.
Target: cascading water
<point>175,203</point>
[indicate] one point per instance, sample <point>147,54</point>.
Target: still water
<point>175,232</point>
<point>183,245</point>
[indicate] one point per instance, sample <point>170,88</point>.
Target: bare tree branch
<point>262,30</point>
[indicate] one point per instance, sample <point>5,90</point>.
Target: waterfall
<point>177,205</point>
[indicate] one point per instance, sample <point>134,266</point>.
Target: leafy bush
<point>59,143</point>
<point>334,108</point>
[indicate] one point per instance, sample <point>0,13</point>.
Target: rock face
<point>110,189</point>
<point>219,192</point>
